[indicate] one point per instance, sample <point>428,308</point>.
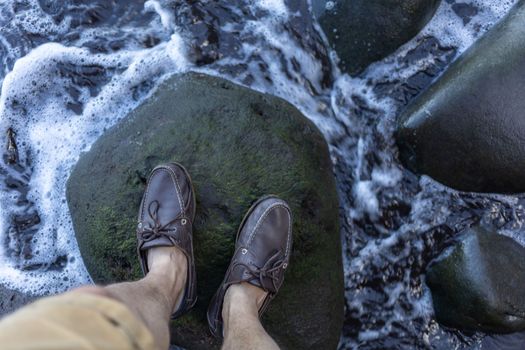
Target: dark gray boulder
<point>237,144</point>
<point>479,284</point>
<point>365,31</point>
<point>468,129</point>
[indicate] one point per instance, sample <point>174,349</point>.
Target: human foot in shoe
<point>262,253</point>
<point>166,217</point>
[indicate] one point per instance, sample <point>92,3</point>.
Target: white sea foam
<point>428,209</point>
<point>278,7</point>
<point>166,17</point>
<point>56,135</point>
<point>452,32</point>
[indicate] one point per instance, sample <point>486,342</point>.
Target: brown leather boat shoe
<point>262,253</point>
<point>166,216</point>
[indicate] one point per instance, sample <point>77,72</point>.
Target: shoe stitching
<point>146,193</point>
<point>222,292</point>
<point>264,215</point>
<point>289,237</point>
<point>176,184</point>
<point>176,241</point>
<point>179,192</point>
<point>189,284</point>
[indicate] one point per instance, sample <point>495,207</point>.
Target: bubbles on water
<point>166,17</point>
<point>277,7</point>
<point>330,5</point>
<point>24,25</point>
<point>104,60</point>
<point>397,224</point>
<point>58,99</point>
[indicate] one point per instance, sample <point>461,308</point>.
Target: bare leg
<point>153,298</point>
<point>242,327</point>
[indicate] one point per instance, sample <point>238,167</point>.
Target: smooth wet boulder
<point>365,31</point>
<point>479,284</point>
<point>238,145</point>
<point>468,129</point>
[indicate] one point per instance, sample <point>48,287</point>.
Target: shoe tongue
<point>240,272</point>
<point>162,241</point>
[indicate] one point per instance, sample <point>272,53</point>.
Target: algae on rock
<point>238,145</point>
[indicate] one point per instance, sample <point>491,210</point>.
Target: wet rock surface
<point>218,29</point>
<point>504,342</point>
<point>478,284</point>
<point>238,145</point>
<point>365,31</point>
<point>467,130</point>
<point>393,223</point>
<point>11,300</point>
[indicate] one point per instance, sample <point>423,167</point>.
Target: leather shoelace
<point>149,233</point>
<point>269,270</point>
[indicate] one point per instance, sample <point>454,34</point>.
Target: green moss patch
<point>237,145</point>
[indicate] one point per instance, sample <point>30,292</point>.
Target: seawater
<point>73,69</point>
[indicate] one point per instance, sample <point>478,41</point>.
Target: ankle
<point>242,300</point>
<point>168,268</point>
<point>161,259</point>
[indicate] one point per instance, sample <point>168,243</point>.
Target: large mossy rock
<point>238,145</point>
<point>479,284</point>
<point>365,31</point>
<point>468,129</point>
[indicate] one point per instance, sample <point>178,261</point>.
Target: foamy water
<point>61,94</point>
